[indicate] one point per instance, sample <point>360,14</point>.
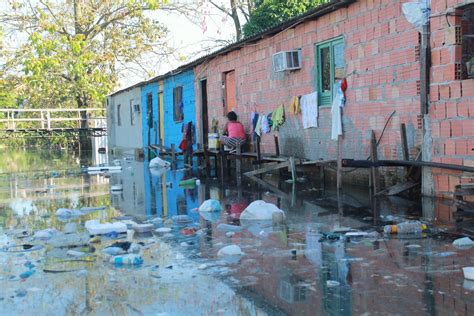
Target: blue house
<point>168,103</point>
<point>179,104</point>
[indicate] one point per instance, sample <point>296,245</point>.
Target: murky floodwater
<point>304,266</point>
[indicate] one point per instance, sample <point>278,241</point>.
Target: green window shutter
<point>330,65</point>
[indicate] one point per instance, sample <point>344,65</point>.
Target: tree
<point>268,13</point>
<point>236,10</point>
<point>75,49</point>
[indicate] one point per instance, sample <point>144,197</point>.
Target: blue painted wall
<point>173,133</point>
<point>155,130</point>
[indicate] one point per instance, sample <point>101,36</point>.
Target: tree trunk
<point>85,142</point>
<point>235,17</point>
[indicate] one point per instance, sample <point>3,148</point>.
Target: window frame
<point>132,113</point>
<point>119,117</point>
<point>331,43</point>
<point>149,109</point>
<point>466,41</point>
<point>176,118</point>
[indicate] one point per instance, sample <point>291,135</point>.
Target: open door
<point>204,117</point>
<point>230,91</point>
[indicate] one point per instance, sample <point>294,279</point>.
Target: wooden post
<point>259,153</point>
<point>339,163</point>
<point>277,145</point>
<point>206,161</point>
<point>404,142</point>
<point>173,155</point>
<point>293,169</point>
<point>222,162</point>
<point>321,177</point>
<point>373,157</point>
<point>238,165</point>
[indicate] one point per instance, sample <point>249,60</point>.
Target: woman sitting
<point>234,132</point>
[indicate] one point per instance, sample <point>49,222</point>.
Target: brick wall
<point>382,72</point>
<point>451,98</point>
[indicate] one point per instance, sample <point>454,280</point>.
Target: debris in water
<point>332,283</point>
<point>463,243</point>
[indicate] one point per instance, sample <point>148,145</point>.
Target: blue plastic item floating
<point>27,274</point>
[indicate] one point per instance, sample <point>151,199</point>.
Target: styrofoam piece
<point>163,230</point>
<point>260,210</point>
<point>96,228</point>
<point>143,228</point>
<point>464,242</point>
<point>157,162</point>
<point>232,250</point>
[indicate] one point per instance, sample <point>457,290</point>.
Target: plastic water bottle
<point>129,260</point>
<point>410,227</point>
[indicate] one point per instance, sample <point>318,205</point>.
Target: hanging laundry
<point>295,108</point>
<point>336,110</point>
<point>255,117</point>
<point>309,110</point>
<point>278,117</point>
<point>258,127</point>
<point>265,125</point>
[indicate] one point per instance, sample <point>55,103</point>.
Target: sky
<point>190,39</point>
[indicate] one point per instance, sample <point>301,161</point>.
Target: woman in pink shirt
<point>234,131</point>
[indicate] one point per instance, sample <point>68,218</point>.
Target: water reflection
<point>303,266</point>
<point>153,192</point>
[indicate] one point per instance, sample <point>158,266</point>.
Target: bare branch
<point>220,8</point>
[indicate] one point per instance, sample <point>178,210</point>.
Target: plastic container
<point>128,260</point>
<point>96,228</point>
<point>410,227</point>
<point>213,140</point>
<point>188,183</point>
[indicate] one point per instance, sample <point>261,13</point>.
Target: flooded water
<point>305,265</point>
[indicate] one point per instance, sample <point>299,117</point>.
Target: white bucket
<point>213,140</point>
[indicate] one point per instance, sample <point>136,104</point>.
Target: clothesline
<point>306,105</point>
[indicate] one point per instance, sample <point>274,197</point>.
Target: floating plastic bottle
<point>128,260</point>
<point>410,227</point>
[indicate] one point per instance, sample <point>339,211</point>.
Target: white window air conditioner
<point>287,60</point>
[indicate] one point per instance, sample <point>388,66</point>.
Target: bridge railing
<point>50,119</point>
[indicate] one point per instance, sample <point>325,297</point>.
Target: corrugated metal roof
<point>309,15</point>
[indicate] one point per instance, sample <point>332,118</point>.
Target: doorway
<point>230,93</point>
<point>204,116</point>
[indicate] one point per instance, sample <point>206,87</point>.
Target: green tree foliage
<point>268,13</point>
<point>74,48</point>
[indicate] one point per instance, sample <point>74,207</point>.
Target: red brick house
<point>451,110</point>
<point>373,46</point>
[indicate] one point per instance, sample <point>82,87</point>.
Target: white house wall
<point>124,120</point>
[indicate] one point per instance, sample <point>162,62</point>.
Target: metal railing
<point>50,119</point>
